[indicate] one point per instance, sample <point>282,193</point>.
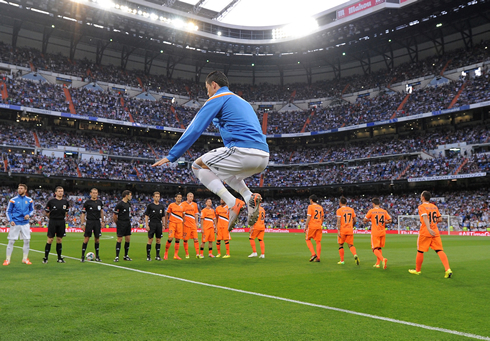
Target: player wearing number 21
<point>313,228</point>
<point>346,218</point>
<point>429,236</point>
<point>379,218</point>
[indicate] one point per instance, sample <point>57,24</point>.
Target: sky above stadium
<point>268,12</point>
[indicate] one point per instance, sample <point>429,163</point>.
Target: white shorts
<point>23,230</point>
<point>236,162</point>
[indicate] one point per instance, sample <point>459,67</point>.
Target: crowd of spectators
<point>469,209</point>
<point>15,136</point>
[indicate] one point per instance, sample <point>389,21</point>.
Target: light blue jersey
<point>236,119</point>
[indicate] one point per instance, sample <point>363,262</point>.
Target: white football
<point>90,256</point>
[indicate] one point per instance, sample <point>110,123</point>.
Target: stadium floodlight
<point>106,3</point>
<point>297,29</point>
<point>178,23</point>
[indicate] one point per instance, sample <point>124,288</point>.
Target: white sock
<point>25,249</point>
<point>240,187</point>
<point>10,248</point>
<point>213,183</point>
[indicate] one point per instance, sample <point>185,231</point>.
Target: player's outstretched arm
<point>161,162</point>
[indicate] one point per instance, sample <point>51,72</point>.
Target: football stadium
<point>244,169</point>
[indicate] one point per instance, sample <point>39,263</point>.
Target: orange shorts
<point>190,233</point>
<point>315,234</point>
<point>377,241</point>
<point>259,234</point>
<point>175,230</point>
<point>207,235</point>
<point>223,234</point>
<point>346,238</point>
<point>424,243</point>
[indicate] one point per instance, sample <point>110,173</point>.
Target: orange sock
<point>379,255</point>
<point>353,250</point>
<point>318,249</point>
<point>443,257</point>
<point>227,245</point>
<point>418,261</point>
<point>167,246</point>
<point>252,243</point>
<point>262,247</point>
<point>341,253</point>
<point>196,246</point>
<point>310,246</point>
<point>186,248</point>
<point>218,247</point>
<point>177,246</point>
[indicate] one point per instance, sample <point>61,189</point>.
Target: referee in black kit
<point>122,218</point>
<point>56,210</point>
<point>156,213</point>
<point>92,210</point>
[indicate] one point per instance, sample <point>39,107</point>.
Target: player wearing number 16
<point>313,228</point>
<point>346,218</point>
<point>429,236</point>
<point>379,218</point>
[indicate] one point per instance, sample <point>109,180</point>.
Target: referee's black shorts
<point>92,226</point>
<point>123,228</point>
<point>56,227</point>
<point>156,229</point>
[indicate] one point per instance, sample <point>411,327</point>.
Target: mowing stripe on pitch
<point>442,330</point>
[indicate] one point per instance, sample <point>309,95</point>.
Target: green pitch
<point>92,301</point>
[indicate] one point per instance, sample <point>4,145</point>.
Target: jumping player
<point>346,218</point>
<point>379,218</point>
<point>245,153</point>
<point>429,236</point>
<point>222,227</point>
<point>313,228</point>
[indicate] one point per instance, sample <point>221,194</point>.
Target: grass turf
<point>95,301</point>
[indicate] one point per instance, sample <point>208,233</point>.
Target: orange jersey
<point>432,213</point>
<point>175,213</point>
<point>207,216</point>
<point>190,211</point>
<point>346,215</point>
<point>378,217</point>
<point>260,224</point>
<point>222,215</point>
<point>315,211</point>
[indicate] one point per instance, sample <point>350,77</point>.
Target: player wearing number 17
<point>346,218</point>
<point>313,228</point>
<point>379,218</point>
<point>429,236</point>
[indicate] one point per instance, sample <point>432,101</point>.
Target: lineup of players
<point>181,218</point>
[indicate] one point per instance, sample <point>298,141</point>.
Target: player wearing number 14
<point>379,218</point>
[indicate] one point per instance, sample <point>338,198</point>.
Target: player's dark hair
<point>426,195</point>
<point>94,189</point>
<point>375,201</point>
<point>343,200</point>
<point>125,193</point>
<point>208,199</point>
<point>313,198</point>
<point>57,188</point>
<point>177,194</point>
<point>23,185</point>
<point>218,77</point>
<point>154,193</point>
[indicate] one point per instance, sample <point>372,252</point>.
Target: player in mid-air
<point>122,218</point>
<point>93,213</point>
<point>257,232</point>
<point>191,220</point>
<point>313,228</point>
<point>56,210</point>
<point>245,153</point>
<point>346,218</point>
<point>175,225</point>
<point>222,227</point>
<point>154,222</point>
<point>208,227</point>
<point>19,210</point>
<point>379,218</point>
<point>429,236</point>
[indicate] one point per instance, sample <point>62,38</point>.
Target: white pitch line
<point>375,317</point>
